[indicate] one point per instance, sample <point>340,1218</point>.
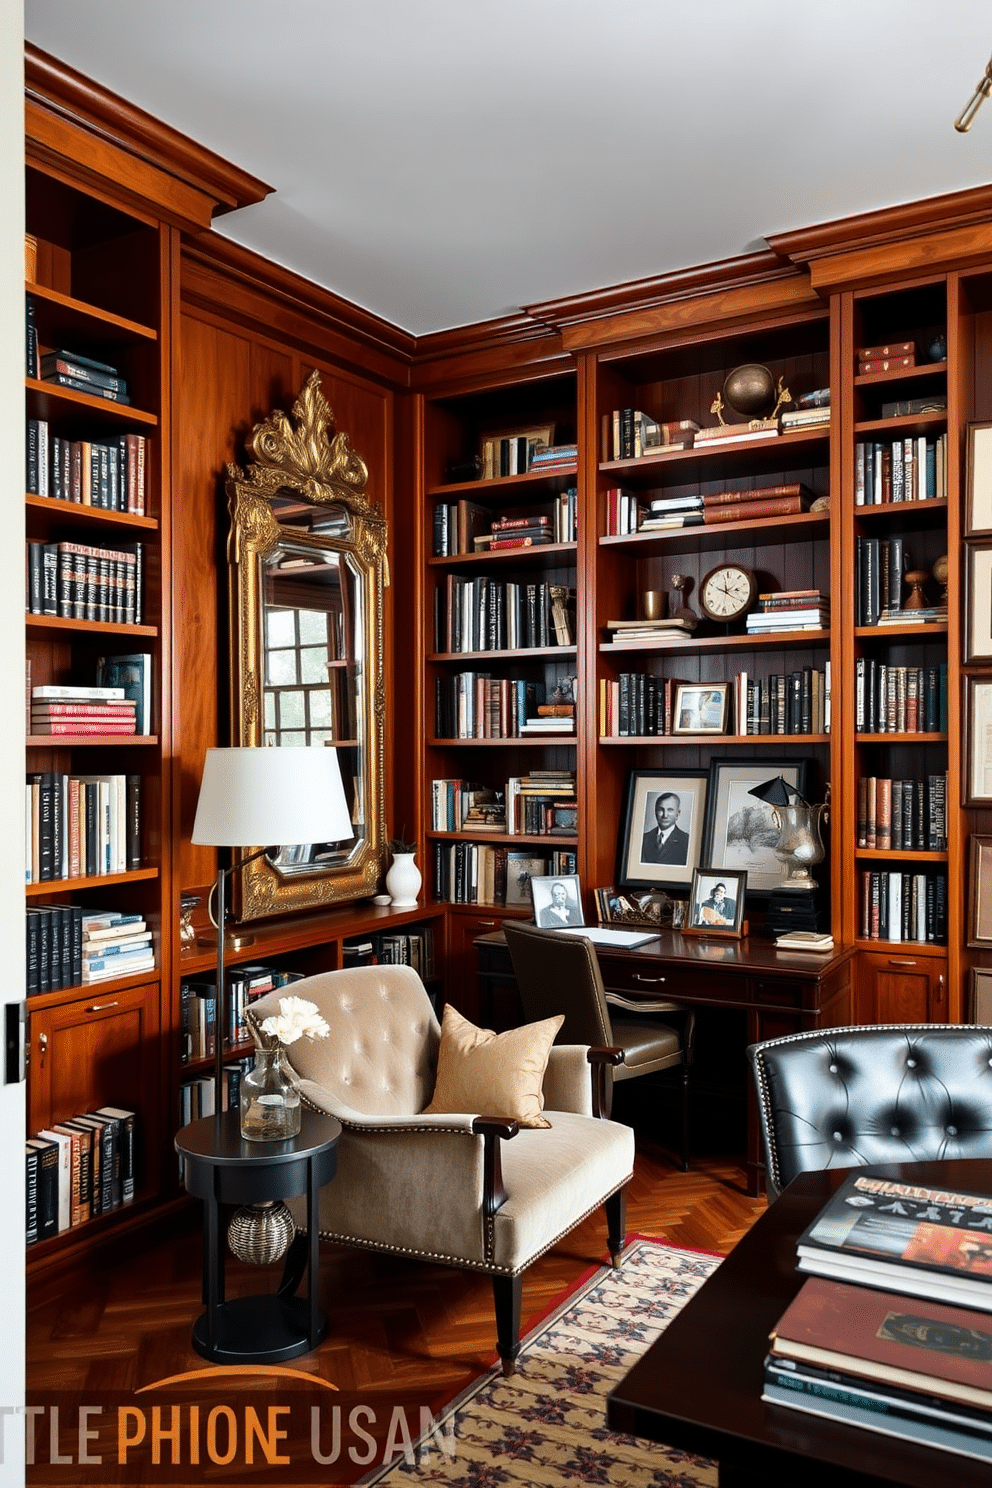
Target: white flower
<point>296,1019</point>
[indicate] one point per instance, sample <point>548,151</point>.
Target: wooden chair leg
<point>616,1225</point>
<point>685,1118</point>
<point>507,1294</point>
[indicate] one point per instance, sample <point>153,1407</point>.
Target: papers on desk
<point>644,1004</point>
<point>603,935</point>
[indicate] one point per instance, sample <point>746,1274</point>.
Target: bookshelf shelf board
<point>59,318</point>
<point>506,488</point>
<point>96,881</point>
<point>915,511</point>
<point>799,450</point>
<point>900,855</point>
<point>506,839</point>
<point>926,630</point>
<point>521,653</point>
<point>903,374</point>
<point>903,738</point>
<point>707,539</point>
<point>676,740</point>
<point>90,627</point>
<point>75,511</point>
<point>547,555</point>
<point>909,423</point>
<point>76,741</point>
<point>136,1211</point>
<point>82,990</point>
<point>935,948</point>
<point>502,741</point>
<point>47,400</point>
<point>777,641</point>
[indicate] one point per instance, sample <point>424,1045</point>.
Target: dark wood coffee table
<point>699,1385</point>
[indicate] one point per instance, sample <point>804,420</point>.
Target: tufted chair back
<point>844,1097</point>
<point>380,1057</point>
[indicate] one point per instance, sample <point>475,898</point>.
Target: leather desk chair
<point>900,1092</point>
<point>559,973</point>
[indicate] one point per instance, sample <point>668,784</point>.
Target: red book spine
<point>743,511</point>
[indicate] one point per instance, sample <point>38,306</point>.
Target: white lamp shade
<point>271,797</point>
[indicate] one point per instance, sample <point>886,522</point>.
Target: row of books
<point>79,1168</point>
<point>64,367</point>
<point>68,946</point>
<point>542,804</point>
<point>81,581</point>
<point>909,469</point>
<point>462,805</point>
<point>903,906</point>
<point>197,1096</point>
<point>514,454</point>
<point>891,699</point>
<point>879,567</point>
<point>890,1330</point>
<point>641,705</point>
<point>466,526</point>
<point>198,1007</point>
<point>413,948</point>
<point>487,614</point>
<point>476,705</point>
<point>81,826</point>
<point>485,873</point>
<point>902,815</point>
<point>629,433</point>
<point>107,473</point>
<point>627,513</point>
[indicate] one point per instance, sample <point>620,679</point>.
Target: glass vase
<point>270,1098</point>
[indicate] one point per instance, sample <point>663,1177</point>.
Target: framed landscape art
<point>741,831</point>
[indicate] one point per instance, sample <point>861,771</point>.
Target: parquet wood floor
<point>396,1325</point>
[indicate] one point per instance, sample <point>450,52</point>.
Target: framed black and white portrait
<point>662,832</point>
<point>557,901</point>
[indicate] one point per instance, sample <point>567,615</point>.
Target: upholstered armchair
<point>901,1092</point>
<point>485,1192</point>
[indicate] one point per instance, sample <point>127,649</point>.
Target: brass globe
<point>750,390</point>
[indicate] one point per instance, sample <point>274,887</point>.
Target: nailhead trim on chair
<point>459,1261</point>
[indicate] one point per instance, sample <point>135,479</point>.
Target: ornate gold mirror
<point>307,557</point>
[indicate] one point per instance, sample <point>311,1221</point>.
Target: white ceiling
<point>440,162</point>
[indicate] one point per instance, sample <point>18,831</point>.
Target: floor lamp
<point>276,796</point>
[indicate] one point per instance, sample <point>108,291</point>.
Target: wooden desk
<point>779,992</point>
<point>698,1387</point>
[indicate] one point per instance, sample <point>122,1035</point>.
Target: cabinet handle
<point>101,1007</point>
<point>894,961</point>
<point>654,981</point>
<point>43,1046</point>
<point>487,924</point>
<point>940,987</point>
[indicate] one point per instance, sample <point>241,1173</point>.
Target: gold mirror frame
<point>298,465</point>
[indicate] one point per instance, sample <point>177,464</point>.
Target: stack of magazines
<point>893,1329</point>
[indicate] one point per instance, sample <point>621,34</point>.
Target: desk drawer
<point>772,992</point>
<point>668,981</point>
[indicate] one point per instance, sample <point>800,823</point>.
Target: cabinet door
<point>99,1050</point>
<point>902,988</point>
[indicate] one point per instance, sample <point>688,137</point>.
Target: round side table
<point>221,1167</point>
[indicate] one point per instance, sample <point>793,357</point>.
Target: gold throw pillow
<point>492,1074</point>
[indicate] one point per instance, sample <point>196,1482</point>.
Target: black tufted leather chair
<point>844,1097</point>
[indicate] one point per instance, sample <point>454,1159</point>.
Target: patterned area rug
<point>546,1424</point>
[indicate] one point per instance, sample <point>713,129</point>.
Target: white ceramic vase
<point>403,881</point>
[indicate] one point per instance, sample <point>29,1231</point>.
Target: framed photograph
<point>978,504</point>
<point>662,832</point>
<point>716,903</point>
<point>740,831</point>
<point>700,709</point>
<point>978,602</point>
<point>557,901</point>
<point>981,994</point>
<point>980,895</point>
<point>978,741</point>
<point>521,867</point>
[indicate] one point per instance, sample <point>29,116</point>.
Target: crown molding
<point>887,225</point>
<point>512,344</point>
<point>220,276</point>
<point>77,100</point>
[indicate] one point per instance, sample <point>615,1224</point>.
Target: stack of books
<point>893,1329</point>
<point>82,710</point>
<point>520,532</point>
<point>895,356</point>
<point>718,434</point>
<point>643,632</point>
<point>820,941</point>
<point>789,609</point>
<point>673,511</point>
<point>760,501</point>
<point>805,418</point>
<point>554,457</point>
<point>115,945</point>
<point>84,375</point>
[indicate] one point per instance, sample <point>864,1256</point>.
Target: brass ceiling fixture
<point>983,88</point>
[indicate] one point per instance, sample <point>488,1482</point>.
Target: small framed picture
<point>521,867</point>
<point>978,602</point>
<point>662,829</point>
<point>981,994</point>
<point>978,506</point>
<point>557,901</point>
<point>978,741</point>
<point>742,832</point>
<point>980,895</point>
<point>716,903</point>
<point>700,709</point>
